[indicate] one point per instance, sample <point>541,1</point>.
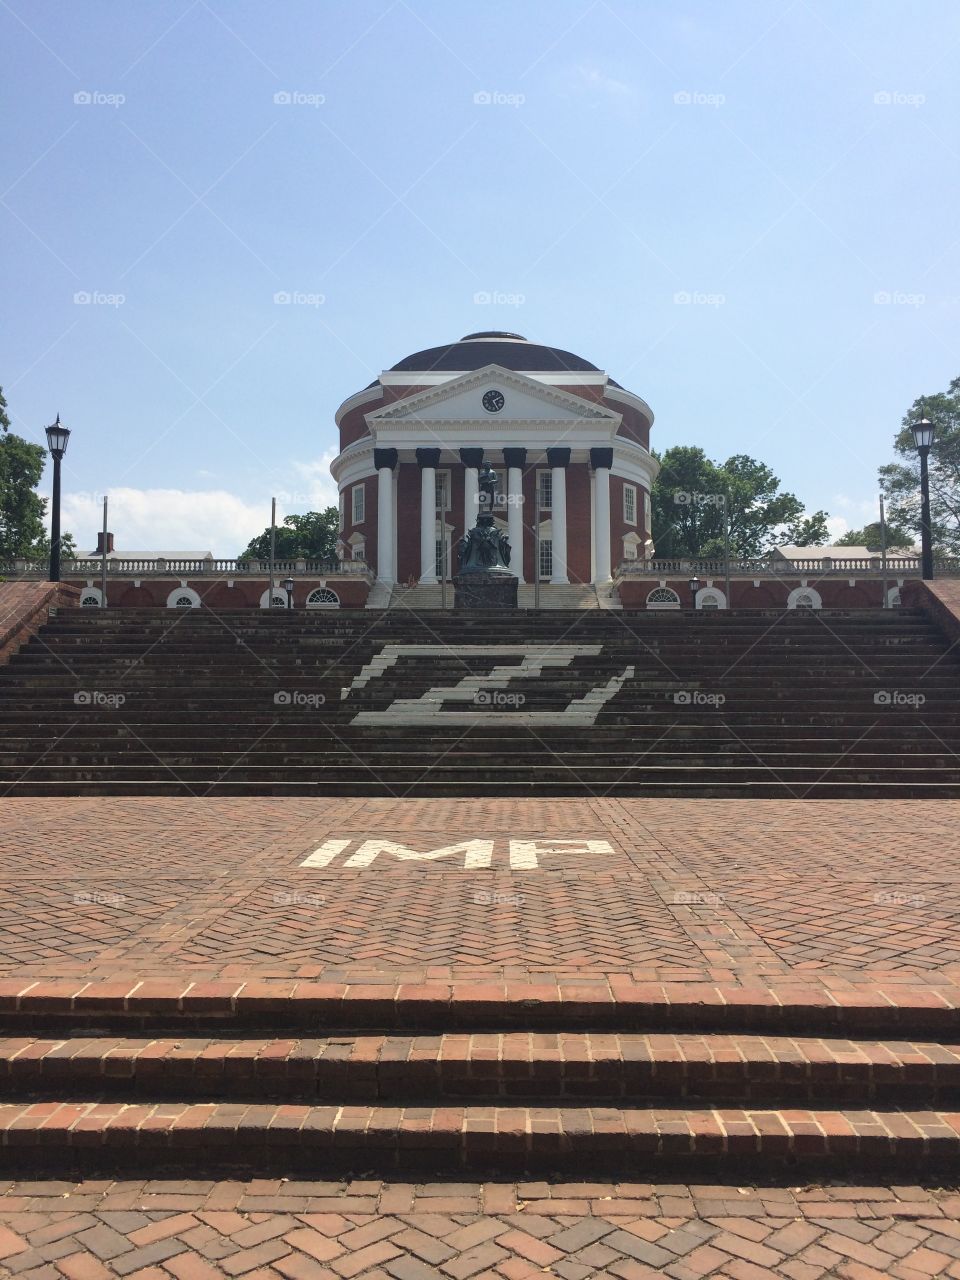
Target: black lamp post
<point>923,438</point>
<point>694,588</point>
<point>57,437</point>
<point>288,588</point>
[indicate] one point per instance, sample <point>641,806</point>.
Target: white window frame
<point>548,473</point>
<point>323,604</point>
<point>183,592</point>
<point>662,604</point>
<point>631,490</point>
<point>632,546</point>
<point>441,493</point>
<point>796,599</point>
<point>441,540</point>
<point>358,499</point>
<point>711,598</point>
<point>545,556</point>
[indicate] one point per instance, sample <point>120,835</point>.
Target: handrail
<point>781,567</point>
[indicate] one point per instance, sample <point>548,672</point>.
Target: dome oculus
<point>493,401</point>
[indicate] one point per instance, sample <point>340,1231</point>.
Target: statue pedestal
<point>479,590</point>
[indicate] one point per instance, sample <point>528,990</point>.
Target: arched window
<point>183,598</point>
<point>804,598</point>
<point>90,598</point>
<point>893,598</point>
<point>323,598</point>
<point>663,598</point>
<point>279,599</point>
<point>711,598</point>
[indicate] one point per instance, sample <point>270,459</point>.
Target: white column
<point>515,519</point>
<point>558,523</point>
<point>601,524</point>
<point>386,559</point>
<point>428,524</point>
<point>471,496</point>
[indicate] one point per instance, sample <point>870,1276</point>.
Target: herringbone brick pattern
<point>681,891</point>
<point>286,1230</point>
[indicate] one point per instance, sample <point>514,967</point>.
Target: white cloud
<point>838,527</point>
<point>194,520</point>
<point>591,77</point>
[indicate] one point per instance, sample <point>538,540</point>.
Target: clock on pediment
<point>493,401</point>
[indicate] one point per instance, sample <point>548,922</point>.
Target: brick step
<point>179,1005</point>
<point>690,735</point>
<point>27,784</point>
<point>493,1068</point>
<point>641,726</point>
<point>386,618</point>
<point>222,676</point>
<point>593,762</point>
<point>607,747</point>
<point>90,1136</point>
<point>550,772</point>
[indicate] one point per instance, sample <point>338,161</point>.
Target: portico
<point>568,445</point>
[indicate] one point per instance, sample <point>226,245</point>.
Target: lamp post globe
<point>288,588</point>
<point>57,437</point>
<point>694,588</point>
<point>923,432</point>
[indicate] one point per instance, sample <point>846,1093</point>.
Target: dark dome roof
<point>494,347</point>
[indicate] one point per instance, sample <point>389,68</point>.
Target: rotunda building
<point>569,444</point>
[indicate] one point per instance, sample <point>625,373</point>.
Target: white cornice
<point>431,378</point>
<point>408,408</point>
<point>367,395</point>
<point>628,397</point>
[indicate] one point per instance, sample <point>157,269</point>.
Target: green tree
<point>308,537</point>
<point>22,510</point>
<point>901,479</point>
<point>869,537</point>
<point>41,551</point>
<point>21,507</point>
<point>688,511</point>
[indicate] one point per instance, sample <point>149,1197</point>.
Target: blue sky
<point>744,212</point>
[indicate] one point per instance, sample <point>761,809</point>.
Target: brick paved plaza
<point>780,919</point>
<point>828,896</point>
<point>272,1229</point>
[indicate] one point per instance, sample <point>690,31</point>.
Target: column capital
<point>428,457</point>
<point>514,457</point>
<point>384,458</point>
<point>558,457</point>
<point>471,457</point>
<point>601,458</point>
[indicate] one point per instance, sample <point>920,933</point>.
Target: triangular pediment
<point>461,399</point>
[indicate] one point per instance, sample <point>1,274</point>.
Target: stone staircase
<point>314,1078</point>
<point>556,703</point>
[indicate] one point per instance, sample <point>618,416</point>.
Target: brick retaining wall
<point>939,600</point>
<point>25,606</point>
